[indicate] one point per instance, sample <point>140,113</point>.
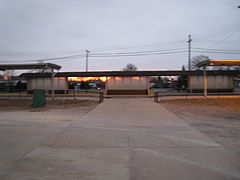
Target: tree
<point>130,67</point>
<point>9,73</point>
<point>198,59</point>
<point>183,68</point>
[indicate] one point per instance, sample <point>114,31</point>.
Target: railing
<point>158,95</point>
<point>71,94</point>
<point>78,92</point>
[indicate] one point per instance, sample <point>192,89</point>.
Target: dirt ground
<point>218,118</point>
<point>25,104</point>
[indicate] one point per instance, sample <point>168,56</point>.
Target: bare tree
<point>198,59</point>
<point>130,67</point>
<point>9,73</point>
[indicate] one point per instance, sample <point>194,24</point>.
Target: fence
<point>158,96</point>
<point>76,94</point>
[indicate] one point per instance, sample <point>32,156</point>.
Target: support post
<point>156,96</point>
<point>75,92</point>
<point>106,85</point>
<point>52,84</point>
<point>205,81</point>
<point>148,85</point>
<point>100,97</point>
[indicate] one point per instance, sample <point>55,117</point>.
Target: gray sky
<point>35,29</point>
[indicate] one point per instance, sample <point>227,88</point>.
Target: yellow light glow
<point>136,78</point>
<point>224,62</point>
<point>103,79</point>
<point>118,78</point>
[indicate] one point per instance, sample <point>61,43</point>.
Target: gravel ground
<point>219,119</point>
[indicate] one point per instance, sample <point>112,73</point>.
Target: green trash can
<point>38,99</point>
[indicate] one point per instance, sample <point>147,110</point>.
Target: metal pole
<point>75,92</point>
<point>205,81</point>
<point>52,83</point>
<point>156,95</point>
<point>189,52</point>
<point>87,51</point>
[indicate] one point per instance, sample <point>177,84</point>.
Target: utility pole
<point>189,52</point>
<point>87,52</point>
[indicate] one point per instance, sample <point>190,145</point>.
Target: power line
<point>134,53</point>
<point>50,59</point>
<point>137,52</point>
<point>106,55</point>
<point>216,52</point>
<point>227,50</point>
<point>226,37</point>
<point>220,33</point>
<point>153,44</point>
<point>140,54</point>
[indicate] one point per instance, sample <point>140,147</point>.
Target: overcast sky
<point>38,29</point>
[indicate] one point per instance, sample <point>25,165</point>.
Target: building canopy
<point>4,67</point>
<point>128,73</point>
<point>219,63</point>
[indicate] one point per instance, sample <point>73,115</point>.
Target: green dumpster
<point>38,99</point>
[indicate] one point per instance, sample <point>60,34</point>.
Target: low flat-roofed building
<point>215,83</point>
<point>60,84</point>
<point>127,85</point>
<point>137,82</point>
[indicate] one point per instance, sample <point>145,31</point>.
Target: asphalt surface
<point>120,139</point>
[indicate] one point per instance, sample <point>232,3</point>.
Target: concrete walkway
<point>124,139</point>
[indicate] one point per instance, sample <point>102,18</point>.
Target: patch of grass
<point>25,104</point>
<point>225,103</point>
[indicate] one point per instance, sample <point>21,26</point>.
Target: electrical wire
<point>51,59</point>
<point>137,52</point>
<point>226,37</point>
<point>225,50</point>
<point>216,52</point>
<point>140,54</point>
<point>134,53</point>
<point>153,44</point>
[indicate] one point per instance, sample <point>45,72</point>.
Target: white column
<point>52,84</point>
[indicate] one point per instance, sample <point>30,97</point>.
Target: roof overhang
<point>4,67</point>
<point>129,73</point>
<point>219,63</point>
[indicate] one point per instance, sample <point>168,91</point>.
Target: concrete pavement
<point>120,139</point>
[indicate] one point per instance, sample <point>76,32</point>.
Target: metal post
<point>156,95</point>
<point>148,85</point>
<point>205,81</point>
<point>106,85</point>
<point>189,52</point>
<point>100,97</point>
<point>75,92</point>
<point>87,51</point>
